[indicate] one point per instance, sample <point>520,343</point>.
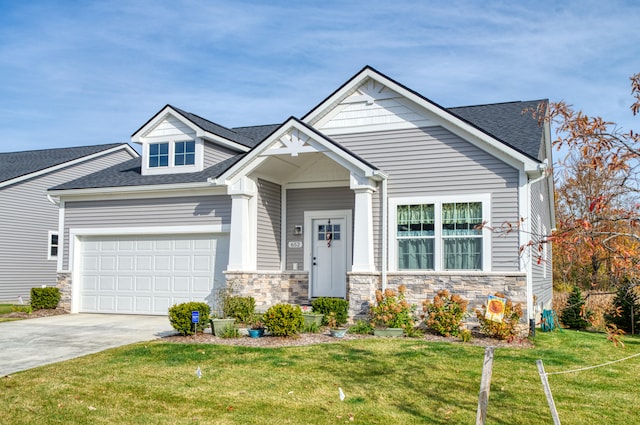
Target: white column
<point>241,237</point>
<point>363,260</point>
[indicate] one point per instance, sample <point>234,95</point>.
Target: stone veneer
<point>270,288</point>
<point>64,285</point>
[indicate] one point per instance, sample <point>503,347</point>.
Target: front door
<point>329,258</point>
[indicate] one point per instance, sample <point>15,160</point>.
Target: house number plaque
<point>295,244</point>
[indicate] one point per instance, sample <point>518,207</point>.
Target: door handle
<point>314,261</point>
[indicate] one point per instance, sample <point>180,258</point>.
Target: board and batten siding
<point>150,212</point>
<point>312,199</point>
<point>26,218</point>
<point>170,128</point>
<point>432,161</point>
<point>269,225</point>
<point>542,270</point>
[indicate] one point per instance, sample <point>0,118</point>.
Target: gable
<point>373,106</point>
<point>169,128</point>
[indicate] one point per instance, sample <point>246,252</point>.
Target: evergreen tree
<point>574,314</point>
<point>626,305</point>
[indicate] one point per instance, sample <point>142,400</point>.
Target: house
<point>29,221</point>
<point>375,187</point>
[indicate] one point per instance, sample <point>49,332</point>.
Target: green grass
<point>5,308</point>
<point>386,381</point>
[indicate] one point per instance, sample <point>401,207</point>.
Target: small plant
<point>361,327</point>
<point>255,321</point>
<point>392,310</point>
<point>332,320</point>
<point>575,313</point>
<point>625,311</point>
<point>22,309</point>
<point>311,328</point>
<point>230,332</point>
<point>413,332</point>
<point>180,317</point>
<point>445,314</point>
<point>240,308</point>
<point>507,329</point>
<point>326,305</point>
<point>465,335</point>
<point>283,320</point>
<point>45,298</point>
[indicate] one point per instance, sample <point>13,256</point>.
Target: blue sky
<point>79,72</point>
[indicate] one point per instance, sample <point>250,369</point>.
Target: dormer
<point>174,141</point>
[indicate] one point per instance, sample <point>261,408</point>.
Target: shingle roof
<point>129,174</point>
<point>512,123</point>
<point>257,132</point>
<point>18,164</point>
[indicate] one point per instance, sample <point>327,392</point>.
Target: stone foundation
<point>64,285</point>
<point>270,288</point>
<point>361,292</point>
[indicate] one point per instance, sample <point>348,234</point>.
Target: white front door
<point>329,257</point>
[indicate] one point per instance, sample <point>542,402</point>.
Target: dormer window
<point>185,153</point>
<point>159,155</point>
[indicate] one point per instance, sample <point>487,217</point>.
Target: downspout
<point>53,201</point>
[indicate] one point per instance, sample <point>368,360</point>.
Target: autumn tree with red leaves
<point>597,237</point>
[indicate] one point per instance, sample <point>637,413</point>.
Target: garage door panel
<point>149,274</point>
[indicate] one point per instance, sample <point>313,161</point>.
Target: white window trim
<point>198,165</point>
<point>485,199</point>
<point>49,245</point>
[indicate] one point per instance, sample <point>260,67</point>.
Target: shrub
<point>626,305</point>
<point>445,314</point>
<point>42,298</point>
<point>241,308</point>
<point>311,328</point>
<point>22,309</point>
<point>361,327</point>
<point>505,330</point>
<point>283,320</point>
<point>326,305</point>
<point>392,310</point>
<point>180,317</point>
<point>574,314</point>
<point>230,332</point>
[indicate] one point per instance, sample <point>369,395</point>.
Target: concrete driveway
<point>26,344</point>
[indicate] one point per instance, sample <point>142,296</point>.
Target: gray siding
<point>26,217</point>
<point>433,161</point>
<point>181,211</point>
<point>269,225</point>
<point>214,154</point>
<point>301,200</point>
<point>542,271</point>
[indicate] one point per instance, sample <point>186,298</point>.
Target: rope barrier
<point>593,367</point>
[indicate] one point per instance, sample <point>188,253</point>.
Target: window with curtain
<point>450,232</point>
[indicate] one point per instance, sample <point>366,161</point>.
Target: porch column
<point>241,237</point>
<point>363,260</point>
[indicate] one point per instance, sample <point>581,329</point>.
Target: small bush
<point>180,317</point>
<point>392,310</point>
<point>241,308</point>
<point>625,310</point>
<point>311,328</point>
<point>230,332</point>
<point>22,309</point>
<point>283,320</point>
<point>445,314</point>
<point>465,335</point>
<point>361,327</point>
<point>507,329</point>
<point>42,298</point>
<point>575,314</point>
<point>326,305</point>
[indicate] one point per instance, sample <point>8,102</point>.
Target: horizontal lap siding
<point>137,213</point>
<point>542,272</point>
<point>433,161</point>
<point>269,225</point>
<point>321,199</point>
<point>214,154</point>
<point>26,217</point>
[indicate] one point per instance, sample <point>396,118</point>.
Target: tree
<point>626,309</point>
<point>574,315</point>
<point>597,200</point>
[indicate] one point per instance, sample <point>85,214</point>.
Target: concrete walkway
<point>26,344</point>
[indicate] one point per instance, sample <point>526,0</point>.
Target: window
<point>158,155</point>
<point>441,235</point>
<point>185,153</point>
<point>53,246</point>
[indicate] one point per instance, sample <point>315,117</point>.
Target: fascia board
<point>153,189</point>
<point>124,146</point>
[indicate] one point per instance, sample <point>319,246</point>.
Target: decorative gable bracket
<point>294,143</point>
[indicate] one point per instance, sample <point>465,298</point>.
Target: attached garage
<point>147,274</point>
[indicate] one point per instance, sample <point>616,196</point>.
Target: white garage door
<point>148,274</point>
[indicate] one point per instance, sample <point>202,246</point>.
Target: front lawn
<point>386,381</point>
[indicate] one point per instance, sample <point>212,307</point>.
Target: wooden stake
<point>485,386</point>
<point>547,392</point>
